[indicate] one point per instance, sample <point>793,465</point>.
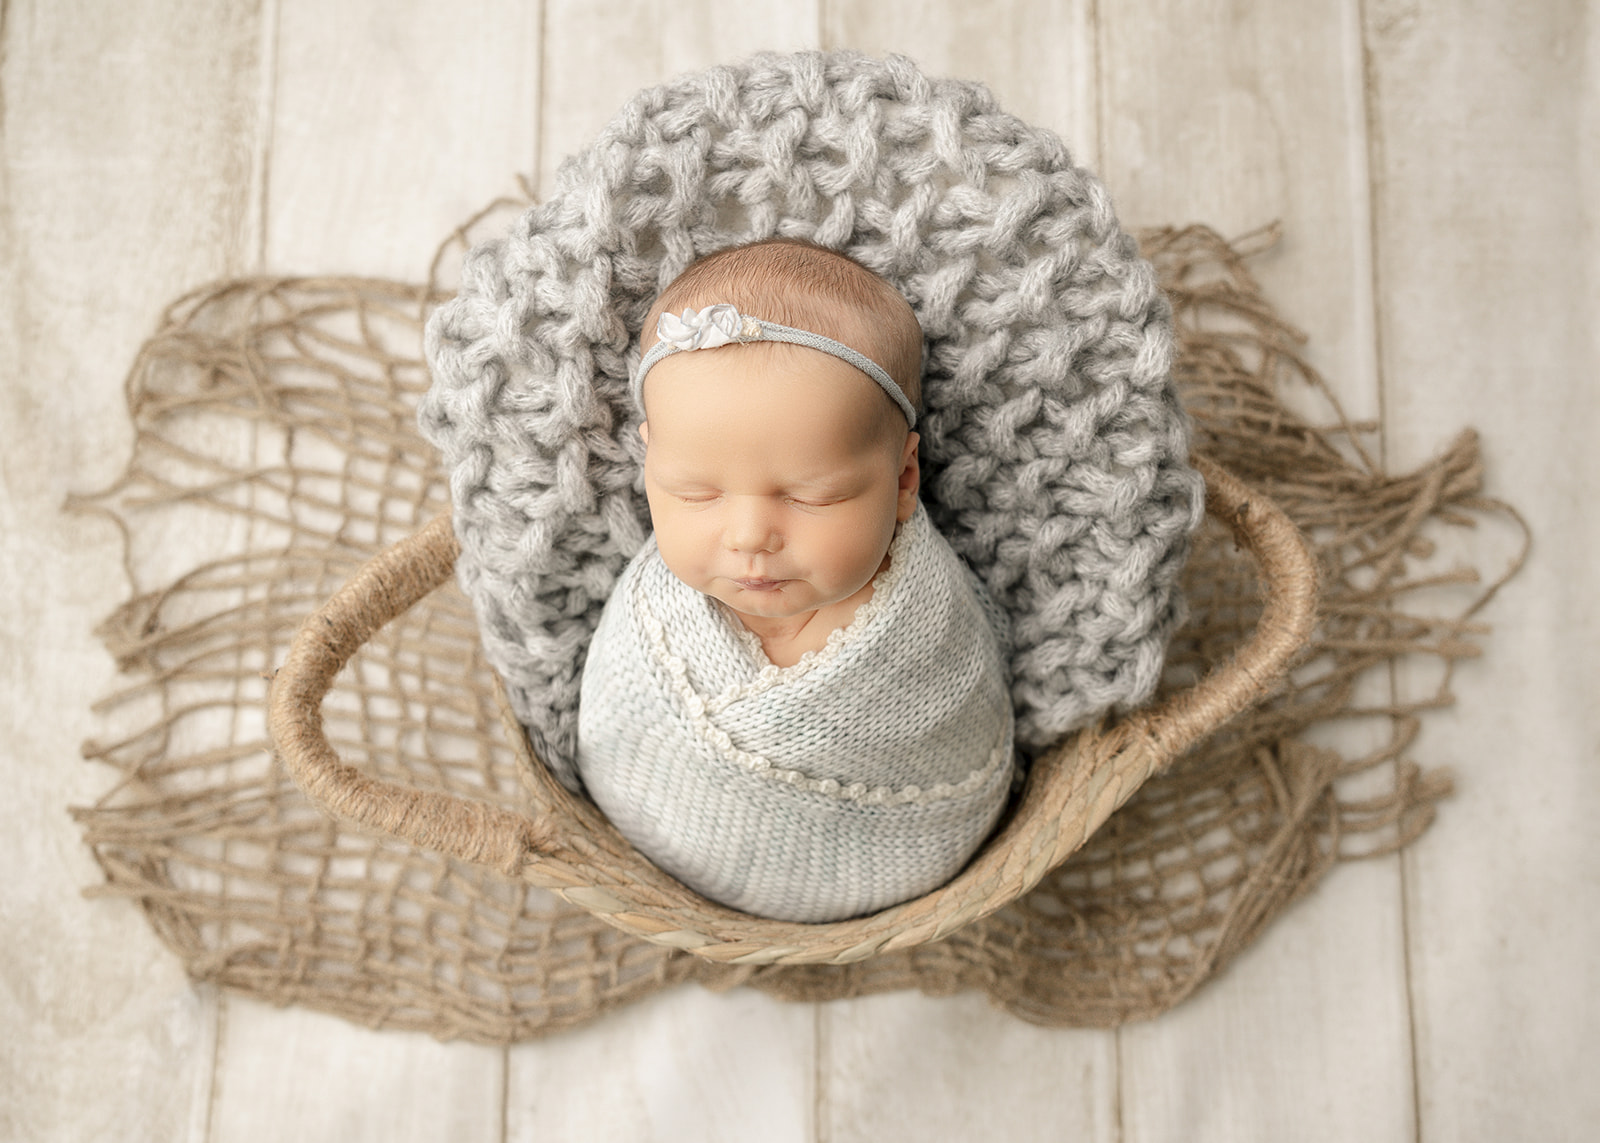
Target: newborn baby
<point>794,702</point>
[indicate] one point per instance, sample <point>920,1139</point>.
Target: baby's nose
<point>752,527</point>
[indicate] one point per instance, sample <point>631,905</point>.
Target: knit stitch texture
<point>863,775</point>
<point>1053,448</point>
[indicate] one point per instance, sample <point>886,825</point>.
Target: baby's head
<point>776,472</point>
<point>809,287</point>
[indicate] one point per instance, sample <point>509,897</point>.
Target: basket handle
<point>1288,574</point>
<point>475,831</point>
<point>383,589</point>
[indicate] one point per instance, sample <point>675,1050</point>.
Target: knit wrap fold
<point>1054,451</point>
<point>863,775</point>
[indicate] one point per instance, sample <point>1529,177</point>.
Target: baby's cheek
<point>687,546</point>
<point>855,550</point>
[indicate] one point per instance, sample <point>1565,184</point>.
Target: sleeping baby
<point>795,701</point>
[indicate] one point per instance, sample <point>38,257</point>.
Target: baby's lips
<point>759,584</point>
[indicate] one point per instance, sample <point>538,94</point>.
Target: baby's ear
<point>910,479</point>
<point>644,431</point>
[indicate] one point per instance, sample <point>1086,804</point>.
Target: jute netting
<point>275,425</point>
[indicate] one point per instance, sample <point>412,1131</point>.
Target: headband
<point>723,324</point>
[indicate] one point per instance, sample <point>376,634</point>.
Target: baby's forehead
<point>748,436</point>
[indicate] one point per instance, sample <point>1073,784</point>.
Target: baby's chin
<point>781,599</point>
<point>786,599</point>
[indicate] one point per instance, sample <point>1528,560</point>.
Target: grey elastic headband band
<point>723,324</point>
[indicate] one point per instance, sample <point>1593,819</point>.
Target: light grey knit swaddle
<point>866,774</point>
<point>1054,452</point>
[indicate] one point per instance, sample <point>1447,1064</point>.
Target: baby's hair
<point>797,283</point>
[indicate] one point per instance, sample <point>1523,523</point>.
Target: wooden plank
<point>1305,1036</point>
<point>685,1064</point>
<point>326,1078</point>
<point>294,1073</point>
<point>1038,57</point>
<point>589,74</point>
<point>691,1064</point>
<point>125,185</point>
<point>1237,121</point>
<point>392,124</point>
<point>907,1066</point>
<point>904,1066</point>
<point>1487,119</point>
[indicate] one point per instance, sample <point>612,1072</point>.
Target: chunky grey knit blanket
<point>864,775</point>
<point>1053,447</point>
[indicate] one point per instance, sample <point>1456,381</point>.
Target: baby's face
<point>775,476</point>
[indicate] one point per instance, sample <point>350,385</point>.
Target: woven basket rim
<point>568,847</point>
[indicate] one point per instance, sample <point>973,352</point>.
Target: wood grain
<point>1037,56</point>
<point>693,1065</point>
<point>599,52</point>
<point>904,1067</point>
<point>1241,122</point>
<point>391,124</point>
<point>123,187</point>
<point>1434,169</point>
<point>685,1064</point>
<point>1489,272</point>
<point>369,167</point>
<point>894,1067</point>
<point>297,1074</point>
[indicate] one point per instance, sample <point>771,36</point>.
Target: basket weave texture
<point>275,425</point>
<point>568,847</point>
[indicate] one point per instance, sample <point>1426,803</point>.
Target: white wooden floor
<point>1437,169</point>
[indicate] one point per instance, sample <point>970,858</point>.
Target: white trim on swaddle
<point>866,774</point>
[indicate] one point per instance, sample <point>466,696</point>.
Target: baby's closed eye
<point>697,496</point>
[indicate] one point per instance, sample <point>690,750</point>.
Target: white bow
<point>713,326</point>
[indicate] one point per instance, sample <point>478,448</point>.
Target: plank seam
<point>1375,156</point>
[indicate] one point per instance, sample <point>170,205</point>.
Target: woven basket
<point>565,845</point>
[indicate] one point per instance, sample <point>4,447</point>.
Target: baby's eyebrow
<point>674,462</point>
<point>825,484</point>
<point>829,482</point>
<point>689,479</point>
